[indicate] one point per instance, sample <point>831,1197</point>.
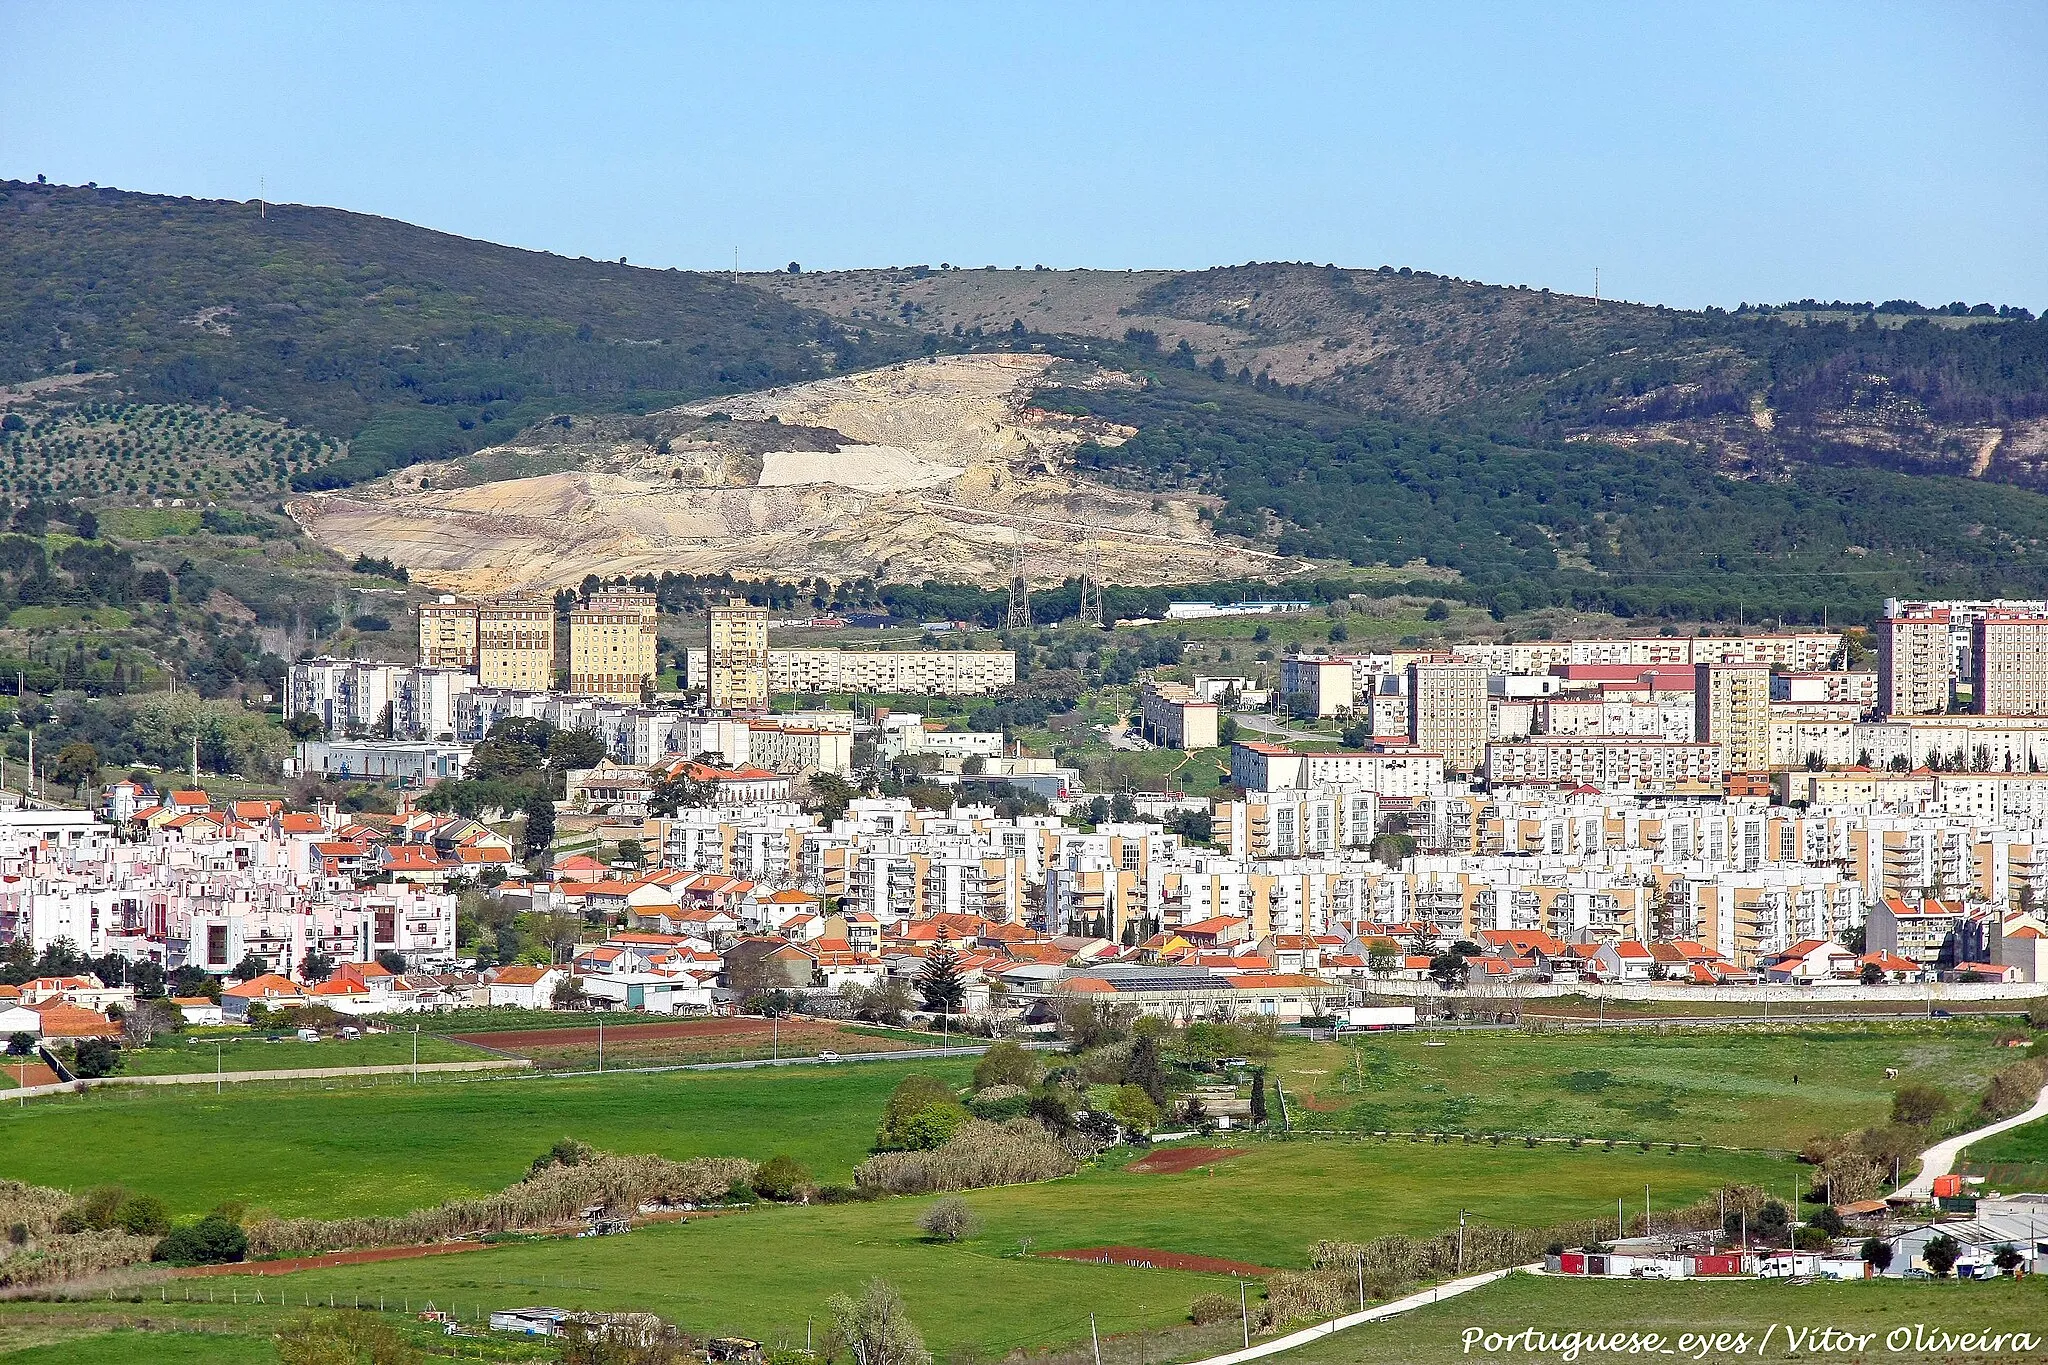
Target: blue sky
<point>1697,154</point>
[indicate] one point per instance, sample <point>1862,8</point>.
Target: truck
<point>1379,1016</point>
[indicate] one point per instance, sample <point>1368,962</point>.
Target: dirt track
<point>1149,1258</point>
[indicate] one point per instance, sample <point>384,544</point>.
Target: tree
<point>93,1058</point>
<point>1449,970</point>
<point>876,1329</point>
<point>304,726</point>
<point>939,983</point>
<point>144,1215</point>
<point>1878,1252</point>
<point>540,825</point>
<point>391,960</point>
<point>2007,1257</point>
<point>1146,1071</point>
<point>213,1240</point>
<point>78,763</point>
<point>1919,1104</point>
<point>1773,1223</point>
<point>949,1220</point>
<point>1258,1095</point>
<point>782,1178</point>
<point>1941,1253</point>
<point>569,994</point>
<point>1134,1109</point>
<point>251,967</point>
<point>921,1113</point>
<point>632,851</point>
<point>342,1339</point>
<point>1006,1063</point>
<point>1871,974</point>
<point>21,1044</point>
<point>316,966</point>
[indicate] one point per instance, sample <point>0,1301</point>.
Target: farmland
<point>185,1056</point>
<point>1264,1207</point>
<point>1738,1087</point>
<point>323,1148</point>
<point>684,1042</point>
<point>2014,1160</point>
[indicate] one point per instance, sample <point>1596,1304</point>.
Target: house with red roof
<point>1810,962</point>
<point>269,990</point>
<point>1625,961</point>
<point>524,987</point>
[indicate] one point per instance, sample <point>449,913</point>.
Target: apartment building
<point>1732,711</point>
<point>515,642</point>
<point>915,672</point>
<point>612,645</point>
<point>1447,711</point>
<point>1608,762</point>
<point>735,672</point>
<point>1916,663</point>
<point>2010,655</point>
<point>1174,718</point>
<point>1404,774</point>
<point>1317,685</point>
<point>448,633</point>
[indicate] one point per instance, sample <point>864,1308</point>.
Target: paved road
<point>1940,1159</point>
<point>1247,720</point>
<point>1420,1299</point>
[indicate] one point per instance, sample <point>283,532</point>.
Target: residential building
<point>1916,663</point>
<point>1317,685</point>
<point>448,633</point>
<point>1174,718</point>
<point>612,645</point>
<point>1447,712</point>
<point>515,643</point>
<point>735,673</point>
<point>897,672</point>
<point>2010,653</point>
<point>1732,712</point>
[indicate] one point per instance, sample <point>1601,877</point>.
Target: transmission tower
<point>1019,618</point>
<point>1090,611</point>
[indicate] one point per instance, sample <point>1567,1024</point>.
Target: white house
<point>531,988</point>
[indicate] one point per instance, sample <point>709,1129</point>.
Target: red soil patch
<point>1175,1160</point>
<point>720,1032</point>
<point>30,1074</point>
<point>1147,1258</point>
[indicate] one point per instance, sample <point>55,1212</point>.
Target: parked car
<point>828,1056</point>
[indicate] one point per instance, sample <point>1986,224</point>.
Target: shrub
<point>949,1220</point>
<point>97,1208</point>
<point>144,1215</point>
<point>1878,1252</point>
<point>922,1113</point>
<point>1133,1108</point>
<point>58,1257</point>
<point>1000,1102</point>
<point>2014,1089</point>
<point>213,1240</point>
<point>783,1178</point>
<point>1919,1104</point>
<point>95,1057</point>
<point>1211,1308</point>
<point>1006,1063</point>
<point>979,1155</point>
<point>1292,1295</point>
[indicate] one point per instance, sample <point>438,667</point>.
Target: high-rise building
<point>1732,710</point>
<point>448,633</point>
<point>2011,653</point>
<point>611,645</point>
<point>1447,711</point>
<point>515,643</point>
<point>736,656</point>
<point>1916,663</point>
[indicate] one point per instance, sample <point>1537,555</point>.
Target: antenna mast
<point>262,196</point>
<point>1596,286</point>
<point>1019,617</point>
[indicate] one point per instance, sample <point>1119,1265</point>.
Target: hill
<point>404,342</point>
<point>1956,390</point>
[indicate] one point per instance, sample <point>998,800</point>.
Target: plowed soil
<point>1175,1160</point>
<point>1149,1258</point>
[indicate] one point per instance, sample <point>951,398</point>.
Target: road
<point>1940,1159</point>
<point>1247,720</point>
<point>1421,1298</point>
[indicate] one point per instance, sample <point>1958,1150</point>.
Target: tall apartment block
<point>1447,712</point>
<point>515,643</point>
<point>612,645</point>
<point>1915,664</point>
<point>448,633</point>
<point>1732,711</point>
<point>736,656</point>
<point>2011,654</point>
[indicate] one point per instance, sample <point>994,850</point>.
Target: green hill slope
<point>405,342</point>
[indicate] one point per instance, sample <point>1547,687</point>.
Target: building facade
<point>612,645</point>
<point>735,674</point>
<point>515,643</point>
<point>1732,711</point>
<point>1447,711</point>
<point>2010,650</point>
<point>1916,662</point>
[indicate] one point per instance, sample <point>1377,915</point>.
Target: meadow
<point>187,1055</point>
<point>1264,1207</point>
<point>2016,1159</point>
<point>1737,1087</point>
<point>323,1148</point>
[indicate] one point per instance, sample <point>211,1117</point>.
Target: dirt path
<point>1985,451</point>
<point>1149,1258</point>
<point>1177,1160</point>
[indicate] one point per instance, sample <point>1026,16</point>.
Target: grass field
<point>1734,1087</point>
<point>322,1148</point>
<point>1265,1207</point>
<point>1434,1335</point>
<point>1595,1007</point>
<point>689,1041</point>
<point>2014,1160</point>
<point>256,1054</point>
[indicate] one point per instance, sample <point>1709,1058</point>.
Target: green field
<point>288,1054</point>
<point>327,1148</point>
<point>1434,1335</point>
<point>1265,1207</point>
<point>2014,1160</point>
<point>1735,1087</point>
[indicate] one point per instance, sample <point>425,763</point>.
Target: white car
<point>828,1056</point>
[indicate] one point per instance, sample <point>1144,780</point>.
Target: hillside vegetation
<point>405,342</point>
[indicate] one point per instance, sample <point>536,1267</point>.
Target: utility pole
<point>1094,1340</point>
<point>1090,610</point>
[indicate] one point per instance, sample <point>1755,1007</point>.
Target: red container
<point>1947,1186</point>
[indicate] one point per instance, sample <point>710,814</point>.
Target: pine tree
<point>939,983</point>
